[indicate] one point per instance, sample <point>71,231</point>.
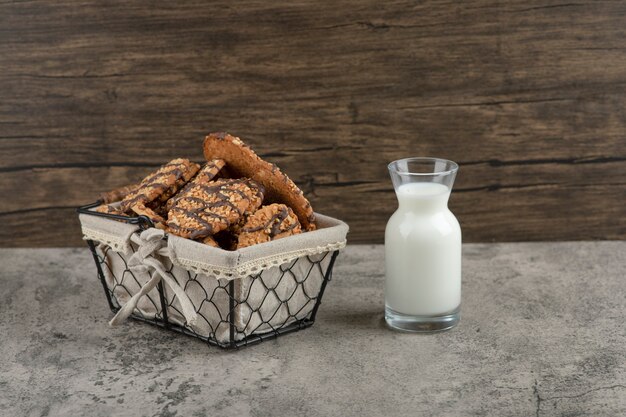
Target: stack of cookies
<point>233,201</point>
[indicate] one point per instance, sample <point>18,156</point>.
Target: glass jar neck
<point>421,203</point>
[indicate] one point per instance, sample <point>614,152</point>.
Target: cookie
<point>207,209</point>
<point>256,200</point>
<point>109,209</point>
<point>210,241</point>
<point>272,222</point>
<point>228,238</point>
<point>244,162</point>
<point>205,175</point>
<point>157,187</point>
<point>153,215</point>
<point>209,171</point>
<point>117,194</point>
<point>188,171</point>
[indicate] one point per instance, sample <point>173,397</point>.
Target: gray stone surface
<point>542,334</point>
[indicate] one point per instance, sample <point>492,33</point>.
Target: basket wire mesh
<point>265,326</point>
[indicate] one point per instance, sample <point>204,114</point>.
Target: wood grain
<point>529,97</point>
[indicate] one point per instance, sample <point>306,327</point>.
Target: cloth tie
<point>151,244</point>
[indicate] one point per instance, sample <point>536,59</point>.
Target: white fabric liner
<point>200,269</point>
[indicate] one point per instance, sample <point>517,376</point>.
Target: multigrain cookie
<point>243,162</point>
<point>272,222</point>
<point>210,241</point>
<point>207,209</point>
<point>186,172</point>
<point>156,188</point>
<point>209,171</point>
<point>256,200</point>
<point>228,238</point>
<point>206,174</point>
<point>109,209</point>
<point>117,194</point>
<point>153,214</point>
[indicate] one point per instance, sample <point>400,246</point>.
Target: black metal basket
<point>221,300</point>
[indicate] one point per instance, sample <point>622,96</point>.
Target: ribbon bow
<point>151,243</point>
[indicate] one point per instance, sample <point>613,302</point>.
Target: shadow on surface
<point>370,319</point>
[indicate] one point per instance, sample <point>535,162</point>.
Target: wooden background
<point>528,97</point>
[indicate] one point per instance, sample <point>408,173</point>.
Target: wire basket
<point>280,298</point>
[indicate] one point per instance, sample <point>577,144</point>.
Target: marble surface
<point>542,333</point>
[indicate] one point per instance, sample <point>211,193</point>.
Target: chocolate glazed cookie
<point>244,162</point>
<point>207,209</point>
<point>272,222</point>
<point>227,239</point>
<point>109,209</point>
<point>206,174</point>
<point>117,194</point>
<point>158,187</point>
<point>255,202</point>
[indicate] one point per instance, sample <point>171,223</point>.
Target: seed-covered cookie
<point>206,209</point>
<point>156,188</point>
<point>153,214</point>
<point>244,162</point>
<point>209,171</point>
<point>109,209</point>
<point>256,200</point>
<point>210,241</point>
<point>160,183</point>
<point>272,222</point>
<point>228,238</point>
<point>117,194</point>
<point>206,174</point>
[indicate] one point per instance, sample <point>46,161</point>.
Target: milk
<point>423,252</point>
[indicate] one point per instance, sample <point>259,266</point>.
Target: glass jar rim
<point>452,166</point>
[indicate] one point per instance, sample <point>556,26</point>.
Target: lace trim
<point>115,242</point>
<point>248,268</point>
<point>257,265</point>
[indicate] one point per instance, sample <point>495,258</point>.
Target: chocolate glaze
<point>195,232</point>
<point>204,172</point>
<point>275,229</point>
<point>151,182</point>
<point>258,188</point>
<point>221,194</point>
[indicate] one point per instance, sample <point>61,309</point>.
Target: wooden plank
<point>521,131</point>
<point>528,96</point>
<point>55,227</point>
<point>568,203</point>
<point>532,213</point>
<point>76,186</point>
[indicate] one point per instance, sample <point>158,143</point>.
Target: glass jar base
<point>422,324</point>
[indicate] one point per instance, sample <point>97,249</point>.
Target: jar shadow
<point>370,319</point>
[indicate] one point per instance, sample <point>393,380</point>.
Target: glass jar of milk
<point>422,248</point>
